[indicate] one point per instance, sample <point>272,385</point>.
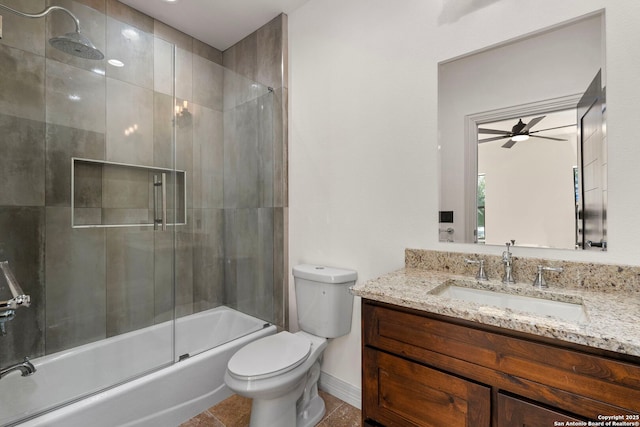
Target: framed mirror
<point>522,141</point>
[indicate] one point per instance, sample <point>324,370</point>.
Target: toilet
<point>280,372</point>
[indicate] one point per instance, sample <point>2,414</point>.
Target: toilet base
<point>280,411</point>
<point>310,405</point>
<point>313,413</point>
<point>286,411</point>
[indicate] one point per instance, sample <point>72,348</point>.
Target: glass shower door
<point>225,257</point>
<point>90,200</point>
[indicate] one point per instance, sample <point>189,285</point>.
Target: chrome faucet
<point>481,275</point>
<point>539,281</point>
<point>507,260</point>
<point>25,367</point>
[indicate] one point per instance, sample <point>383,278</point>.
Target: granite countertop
<point>612,317</point>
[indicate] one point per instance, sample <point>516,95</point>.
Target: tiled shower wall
<point>88,284</point>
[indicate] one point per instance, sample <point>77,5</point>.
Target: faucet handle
<point>506,255</point>
<point>481,274</point>
<point>539,280</point>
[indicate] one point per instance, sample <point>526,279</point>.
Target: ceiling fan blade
<point>509,143</point>
<point>531,124</point>
<point>495,138</point>
<point>557,127</point>
<point>548,137</point>
<point>493,131</point>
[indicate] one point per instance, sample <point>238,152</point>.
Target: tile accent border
<point>576,275</point>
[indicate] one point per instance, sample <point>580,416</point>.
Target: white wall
<point>530,192</point>
<point>363,130</point>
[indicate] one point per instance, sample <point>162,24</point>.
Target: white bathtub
<point>163,397</point>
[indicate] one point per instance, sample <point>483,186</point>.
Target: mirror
<point>522,141</point>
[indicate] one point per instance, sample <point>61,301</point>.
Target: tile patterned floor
<point>235,412</point>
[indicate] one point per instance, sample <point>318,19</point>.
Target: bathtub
<point>164,396</point>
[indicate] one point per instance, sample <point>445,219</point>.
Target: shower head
<point>77,45</point>
<point>72,43</point>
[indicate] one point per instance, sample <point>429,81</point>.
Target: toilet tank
<point>323,299</point>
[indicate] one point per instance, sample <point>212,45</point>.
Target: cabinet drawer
<point>423,338</point>
<point>515,412</point>
<point>402,393</point>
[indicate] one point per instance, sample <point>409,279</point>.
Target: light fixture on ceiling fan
<point>519,132</point>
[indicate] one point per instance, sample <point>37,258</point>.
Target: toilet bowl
<point>280,372</point>
<point>277,377</point>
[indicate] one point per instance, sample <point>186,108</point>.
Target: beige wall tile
<point>23,33</point>
<point>135,49</point>
<point>128,15</point>
<point>22,85</point>
<point>170,34</point>
<point>129,123</point>
<point>75,97</point>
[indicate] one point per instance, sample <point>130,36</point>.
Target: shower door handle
<point>162,185</point>
<point>164,201</point>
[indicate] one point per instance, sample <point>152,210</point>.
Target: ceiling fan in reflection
<point>519,132</point>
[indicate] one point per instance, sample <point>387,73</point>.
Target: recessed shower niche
<point>109,194</point>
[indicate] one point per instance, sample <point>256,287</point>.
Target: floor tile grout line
<point>326,416</point>
<point>217,419</point>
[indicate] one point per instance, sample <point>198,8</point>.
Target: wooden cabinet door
<point>513,412</point>
<point>402,393</point>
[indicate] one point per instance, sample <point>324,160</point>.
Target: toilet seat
<point>269,356</point>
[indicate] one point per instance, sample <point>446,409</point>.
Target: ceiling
<point>219,23</point>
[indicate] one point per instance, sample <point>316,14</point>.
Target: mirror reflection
<point>528,170</point>
<point>522,141</point>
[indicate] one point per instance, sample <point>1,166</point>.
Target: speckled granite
<point>576,275</point>
<point>613,317</point>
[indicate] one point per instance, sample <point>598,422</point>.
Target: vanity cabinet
<point>422,369</point>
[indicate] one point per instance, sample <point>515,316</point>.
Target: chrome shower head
<point>77,45</point>
<point>72,43</point>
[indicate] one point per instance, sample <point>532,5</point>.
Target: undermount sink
<point>573,312</point>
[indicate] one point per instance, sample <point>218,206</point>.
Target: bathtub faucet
<point>25,367</point>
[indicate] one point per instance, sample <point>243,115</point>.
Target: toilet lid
<point>269,356</point>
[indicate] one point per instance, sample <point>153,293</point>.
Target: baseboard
<point>340,389</point>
